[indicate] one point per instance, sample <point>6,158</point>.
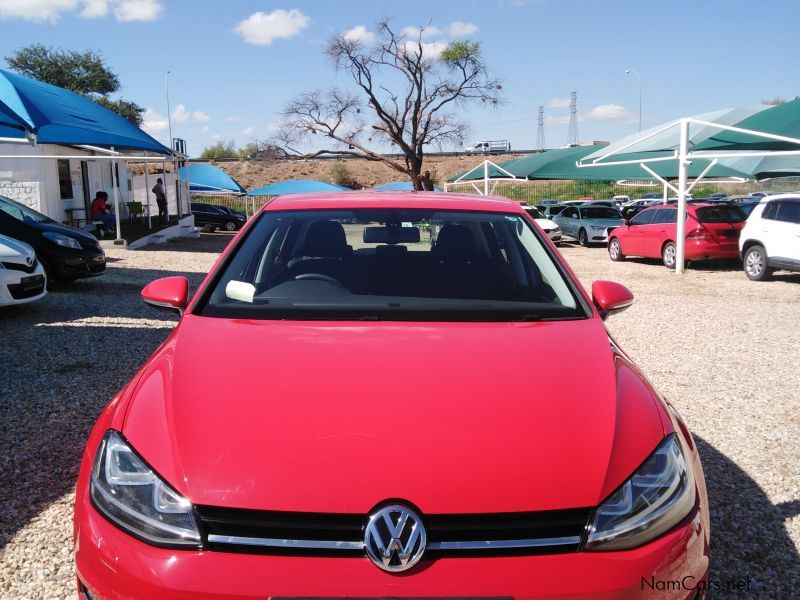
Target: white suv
<point>771,237</point>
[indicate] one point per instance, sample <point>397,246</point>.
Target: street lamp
<point>635,72</point>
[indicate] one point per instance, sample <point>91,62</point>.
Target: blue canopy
<point>399,186</point>
<point>296,186</point>
<point>57,116</point>
<point>208,178</point>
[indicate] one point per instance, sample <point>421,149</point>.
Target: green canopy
<point>560,164</point>
<point>783,120</point>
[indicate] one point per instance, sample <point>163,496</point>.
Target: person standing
<point>427,182</point>
<point>161,200</point>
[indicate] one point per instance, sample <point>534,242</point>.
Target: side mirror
<point>168,293</point>
<point>610,297</point>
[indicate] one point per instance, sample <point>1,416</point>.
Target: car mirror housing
<point>610,297</point>
<point>167,293</point>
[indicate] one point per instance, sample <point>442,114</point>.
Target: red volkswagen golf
<point>340,413</point>
<point>712,231</point>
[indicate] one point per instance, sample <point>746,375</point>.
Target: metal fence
<point>249,205</point>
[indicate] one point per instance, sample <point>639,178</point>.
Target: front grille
<point>19,267</point>
<point>19,291</point>
<point>328,534</point>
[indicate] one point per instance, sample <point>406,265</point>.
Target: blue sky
<point>235,63</point>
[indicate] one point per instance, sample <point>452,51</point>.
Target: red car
<point>339,413</point>
<point>712,231</point>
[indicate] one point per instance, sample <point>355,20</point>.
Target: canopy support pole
<point>147,195</point>
<point>115,186</point>
<point>486,178</point>
<point>664,194</point>
<point>683,168</point>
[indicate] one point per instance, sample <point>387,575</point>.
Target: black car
<point>217,217</point>
<point>66,253</point>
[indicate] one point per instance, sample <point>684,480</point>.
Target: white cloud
<point>248,131</point>
<point>216,136</point>
<point>181,114</point>
<point>199,115</point>
<point>35,10</point>
<point>52,10</point>
<point>557,103</point>
<point>460,29</point>
<point>94,9</point>
<point>560,120</point>
<point>236,119</point>
<point>414,32</point>
<point>273,127</point>
<point>154,122</point>
<point>138,10</point>
<point>610,112</point>
<point>429,49</point>
<point>360,34</point>
<point>263,28</point>
<point>206,128</point>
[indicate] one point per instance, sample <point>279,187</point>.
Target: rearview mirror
<point>167,293</point>
<point>610,297</point>
<point>391,234</point>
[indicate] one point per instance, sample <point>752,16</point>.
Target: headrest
<point>325,239</point>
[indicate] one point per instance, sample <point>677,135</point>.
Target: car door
<point>567,220</point>
<point>661,227</point>
<point>783,239</point>
<point>631,241</point>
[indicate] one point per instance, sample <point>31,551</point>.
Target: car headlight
<point>62,240</point>
<point>656,498</point>
<point>131,495</point>
<point>596,227</point>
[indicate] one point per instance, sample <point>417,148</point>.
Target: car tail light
<point>698,233</point>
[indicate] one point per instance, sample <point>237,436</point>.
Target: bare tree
<point>408,88</point>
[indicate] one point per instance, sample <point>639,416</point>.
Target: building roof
<point>57,116</point>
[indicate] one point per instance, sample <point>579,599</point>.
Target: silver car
<point>588,224</point>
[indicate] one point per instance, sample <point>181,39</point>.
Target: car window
<point>20,212</point>
<point>725,213</point>
<point>570,213</point>
<point>599,212</point>
<point>789,211</point>
<point>665,215</point>
<point>555,210</point>
<point>643,218</point>
<point>393,264</point>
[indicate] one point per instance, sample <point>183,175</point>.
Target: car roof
<point>381,199</point>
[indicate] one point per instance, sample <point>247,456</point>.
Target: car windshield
<point>599,212</point>
<point>21,212</point>
<point>391,264</point>
<point>721,214</point>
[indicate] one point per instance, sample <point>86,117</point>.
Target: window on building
<point>64,180</point>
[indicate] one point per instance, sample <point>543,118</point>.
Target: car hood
<point>14,250</point>
<point>545,223</point>
<point>603,222</point>
<point>338,417</point>
<point>65,230</point>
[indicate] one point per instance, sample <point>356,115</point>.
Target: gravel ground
<point>722,348</point>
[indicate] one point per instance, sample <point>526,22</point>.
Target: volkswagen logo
<point>395,538</point>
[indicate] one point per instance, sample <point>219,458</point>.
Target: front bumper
<point>19,287</point>
<point>113,565</point>
<point>77,264</point>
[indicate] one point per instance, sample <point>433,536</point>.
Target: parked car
<point>748,206</point>
<point>551,211</point>
<point>216,217</point>
<point>22,277</point>
<point>608,203</point>
<point>712,231</point>
<point>621,199</point>
<point>770,239</point>
<point>548,202</point>
<point>548,226</point>
<point>719,196</point>
<point>588,224</point>
<point>65,252</point>
<point>652,196</point>
<point>489,147</point>
<point>574,202</point>
<point>642,202</point>
<point>758,194</point>
<point>280,472</point>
